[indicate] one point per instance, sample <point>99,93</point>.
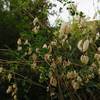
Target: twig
<point>25,79</point>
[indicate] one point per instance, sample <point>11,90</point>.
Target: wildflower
<point>19,41</point>
<point>84,59</point>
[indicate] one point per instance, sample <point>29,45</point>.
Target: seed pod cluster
<point>12,89</point>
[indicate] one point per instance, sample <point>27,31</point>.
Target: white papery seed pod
<point>26,42</point>
<point>45,46</point>
<point>84,59</point>
<point>35,21</point>
<point>9,89</point>
<point>19,42</point>
<point>85,45</point>
<point>19,48</point>
<point>79,45</point>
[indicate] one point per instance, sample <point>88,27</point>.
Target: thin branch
<point>25,79</point>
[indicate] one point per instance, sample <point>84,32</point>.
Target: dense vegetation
<point>41,62</point>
